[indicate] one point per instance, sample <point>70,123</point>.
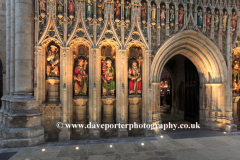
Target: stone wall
<point>3,38</point>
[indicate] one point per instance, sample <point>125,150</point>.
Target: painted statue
<point>100,9</point>
<point>42,7</point>
<point>89,9</point>
<point>171,16</point>
<point>71,8</point>
<point>117,10</point>
<point>80,77</point>
<point>234,21</point>
<point>163,15</point>
<point>208,19</point>
<point>127,11</point>
<point>60,8</point>
<point>200,17</point>
<point>180,17</point>
<point>108,85</point>
<point>153,14</point>
<point>53,63</point>
<point>224,22</point>
<point>235,76</point>
<point>216,20</point>
<point>135,80</point>
<point>144,12</point>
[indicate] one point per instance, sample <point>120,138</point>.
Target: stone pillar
<point>12,49</point>
<point>81,113</point>
<point>235,100</point>
<point>23,125</point>
<point>156,104</point>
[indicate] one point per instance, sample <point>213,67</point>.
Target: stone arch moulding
<point>214,93</point>
<point>204,54</point>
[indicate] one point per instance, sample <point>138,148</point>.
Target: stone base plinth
<point>53,94</point>
<point>64,135</point>
<point>122,133</point>
<point>149,133</point>
<point>134,106</point>
<point>108,109</point>
<point>231,127</point>
<point>94,134</point>
<point>22,123</point>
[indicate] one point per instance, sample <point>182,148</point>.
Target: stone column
<point>235,110</point>
<point>176,18</point>
<point>12,50</point>
<point>7,84</point>
<point>167,19</point>
<point>156,103</point>
<point>23,124</point>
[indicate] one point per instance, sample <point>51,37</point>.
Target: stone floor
<point>193,144</point>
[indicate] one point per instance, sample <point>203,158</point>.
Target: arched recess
<point>210,65</point>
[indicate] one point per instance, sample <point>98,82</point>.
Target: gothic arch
<point>203,53</point>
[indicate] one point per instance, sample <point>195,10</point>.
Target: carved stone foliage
<point>51,115</point>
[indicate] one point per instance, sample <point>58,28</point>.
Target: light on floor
<point>43,150</point>
<point>225,132</point>
<point>142,144</point>
<point>110,146</point>
<point>161,136</point>
<point>77,148</point>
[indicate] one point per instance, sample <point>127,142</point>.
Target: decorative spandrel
<point>80,73</point>
<point>134,70</point>
<point>53,60</point>
<point>108,70</point>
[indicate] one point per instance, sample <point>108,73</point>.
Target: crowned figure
<point>100,9</point>
<point>216,20</point>
<point>127,11</point>
<point>200,18</point>
<point>153,14</point>
<point>71,8</point>
<point>163,15</point>
<point>117,10</point>
<point>144,12</point>
<point>42,7</point>
<point>234,21</point>
<point>135,80</point>
<point>208,19</point>
<point>89,9</point>
<point>80,77</point>
<point>108,85</point>
<point>172,16</point>
<point>60,8</point>
<point>53,64</point>
<point>180,17</point>
<point>224,21</point>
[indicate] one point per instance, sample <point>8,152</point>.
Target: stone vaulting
<point>100,61</point>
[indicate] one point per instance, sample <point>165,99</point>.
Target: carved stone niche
<point>80,114</point>
<point>53,94</point>
<point>134,110</point>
